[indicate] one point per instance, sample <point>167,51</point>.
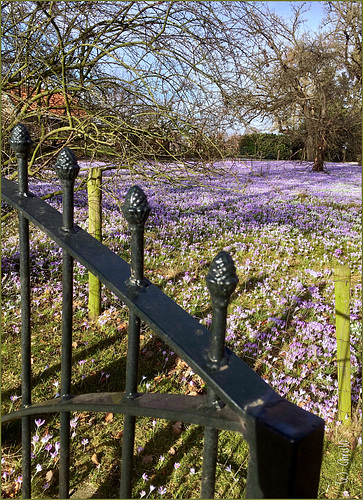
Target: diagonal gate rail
<point>285,442</point>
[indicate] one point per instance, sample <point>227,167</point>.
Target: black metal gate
<point>285,442</point>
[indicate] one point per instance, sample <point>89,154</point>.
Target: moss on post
<point>342,321</point>
<point>95,229</point>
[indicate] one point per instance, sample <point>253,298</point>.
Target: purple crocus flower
<point>39,422</point>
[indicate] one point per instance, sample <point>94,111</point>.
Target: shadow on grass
<point>161,443</point>
<point>55,369</point>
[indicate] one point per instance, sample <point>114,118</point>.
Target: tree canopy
<point>131,76</point>
<point>133,81</point>
<point>308,84</point>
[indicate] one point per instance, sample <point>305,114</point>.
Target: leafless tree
<point>308,84</point>
<point>134,81</point>
<point>128,80</point>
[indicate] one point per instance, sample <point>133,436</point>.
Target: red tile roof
<point>52,103</point>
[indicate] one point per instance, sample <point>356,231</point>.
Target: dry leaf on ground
<point>109,417</point>
<point>94,459</point>
<point>49,476</point>
<point>10,490</point>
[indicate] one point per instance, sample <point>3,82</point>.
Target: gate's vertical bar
<point>67,170</point>
<point>21,142</point>
<point>136,211</point>
<point>221,282</point>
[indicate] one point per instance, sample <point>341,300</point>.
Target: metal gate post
<point>221,282</point>
<point>67,170</point>
<point>21,142</point>
<point>136,210</point>
<point>286,446</point>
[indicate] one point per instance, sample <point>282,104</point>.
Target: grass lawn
<point>286,228</point>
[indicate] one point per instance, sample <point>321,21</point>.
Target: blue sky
<point>313,16</point>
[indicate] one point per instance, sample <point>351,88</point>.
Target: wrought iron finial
<point>67,169</point>
<point>221,282</point>
<point>66,166</point>
<point>20,140</point>
<point>222,279</point>
<point>136,208</point>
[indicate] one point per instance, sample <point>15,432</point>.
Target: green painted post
<point>95,229</point>
<point>342,322</point>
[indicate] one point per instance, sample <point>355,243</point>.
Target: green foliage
<point>267,146</point>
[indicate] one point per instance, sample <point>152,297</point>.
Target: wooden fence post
<point>95,229</point>
<point>342,322</point>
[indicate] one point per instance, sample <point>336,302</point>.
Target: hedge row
<point>267,146</point>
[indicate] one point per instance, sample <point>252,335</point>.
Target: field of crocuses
<point>285,227</point>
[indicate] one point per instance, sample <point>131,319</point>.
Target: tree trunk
<point>95,229</point>
<point>310,131</point>
<point>309,148</point>
<point>318,165</point>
